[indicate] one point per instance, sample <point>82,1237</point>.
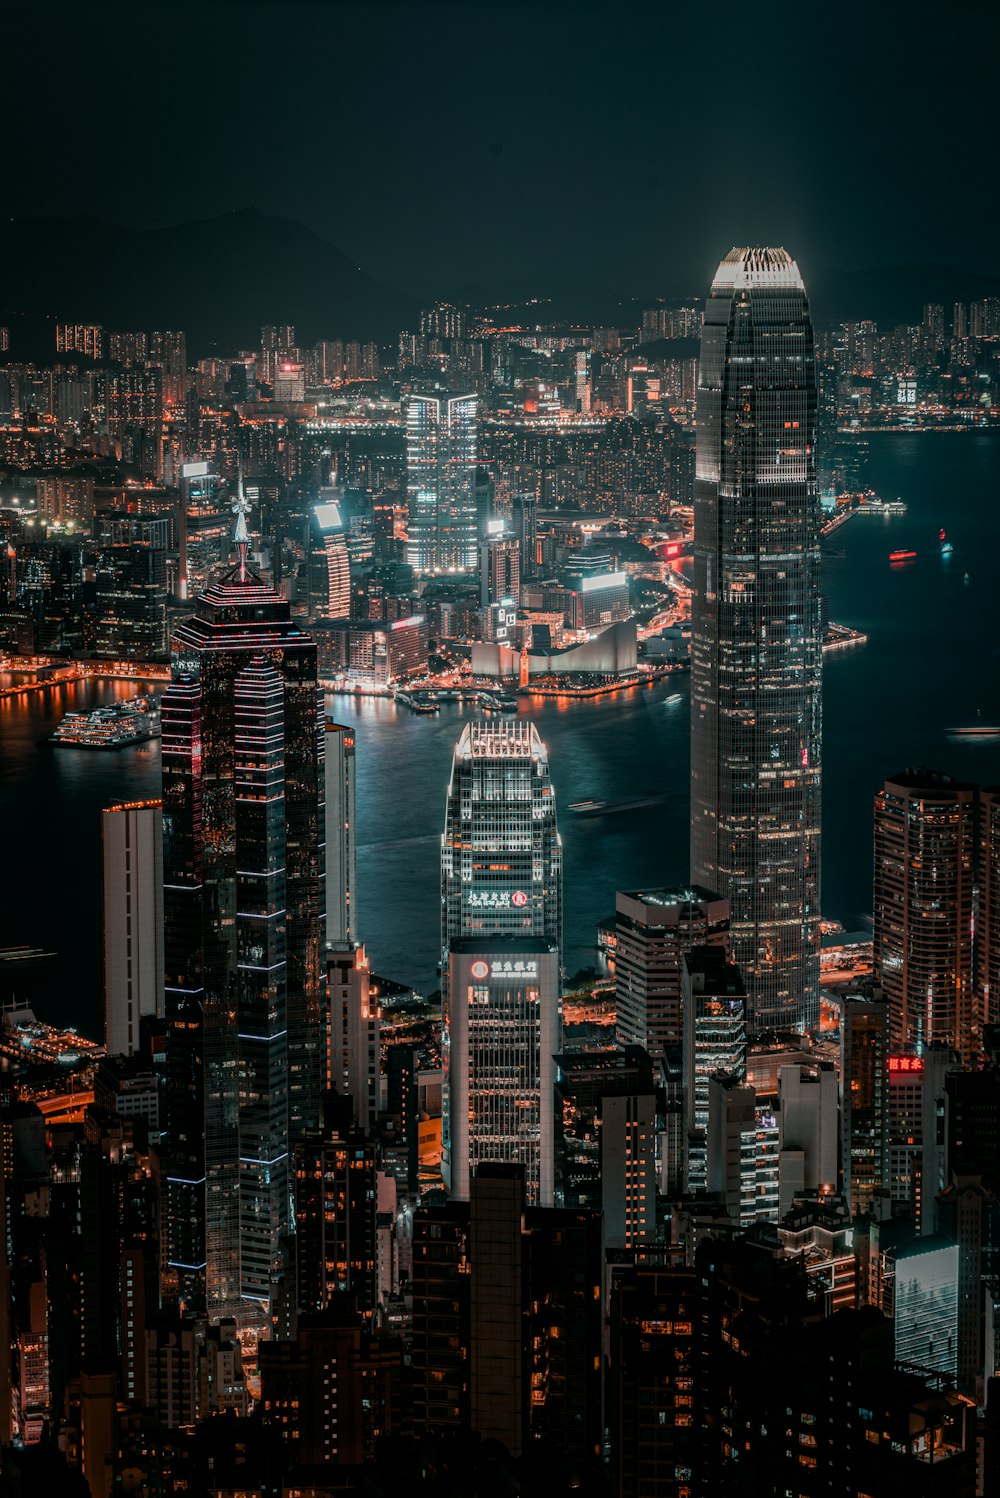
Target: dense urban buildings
<point>755,631</point>
<point>472,1197</point>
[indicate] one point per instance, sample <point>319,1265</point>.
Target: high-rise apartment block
<point>756,637</point>
<point>988,921</point>
<point>80,338</point>
<point>654,930</point>
<point>441,434</point>
<point>864,1051</point>
<point>714,1009</point>
<point>205,525</point>
<point>499,569</point>
<point>923,905</point>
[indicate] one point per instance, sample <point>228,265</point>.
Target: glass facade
<point>501,894</point>
<point>501,853</point>
<point>756,636</point>
<point>440,482</point>
<point>244,852</point>
<point>505,1031</point>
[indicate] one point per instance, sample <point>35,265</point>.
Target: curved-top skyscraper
<point>756,633</point>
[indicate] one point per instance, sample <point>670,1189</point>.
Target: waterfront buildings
<point>440,482</point>
<point>756,636</point>
<point>923,910</point>
<point>132,848</point>
<point>499,569</point>
<point>243,787</point>
<point>204,528</point>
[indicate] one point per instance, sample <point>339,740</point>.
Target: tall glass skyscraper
<point>501,935</point>
<point>756,636</point>
<point>441,482</point>
<point>244,914</point>
<point>501,853</point>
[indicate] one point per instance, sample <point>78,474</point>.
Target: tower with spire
<point>243,753</point>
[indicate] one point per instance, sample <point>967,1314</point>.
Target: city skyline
<point>317,1214</point>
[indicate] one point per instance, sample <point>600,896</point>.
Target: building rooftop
<point>758,267</point>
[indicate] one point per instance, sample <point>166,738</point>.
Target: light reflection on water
<point>930,663</point>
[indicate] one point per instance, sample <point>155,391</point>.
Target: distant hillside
<point>894,294</point>
<point>222,278</point>
<point>219,280</point>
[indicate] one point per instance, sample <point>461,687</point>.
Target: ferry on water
<point>902,556</point>
<point>112,727</point>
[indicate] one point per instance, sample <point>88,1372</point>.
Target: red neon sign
<point>906,1064</point>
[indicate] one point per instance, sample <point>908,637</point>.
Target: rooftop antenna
<point>241,509</point>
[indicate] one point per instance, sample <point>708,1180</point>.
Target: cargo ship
<point>112,727</point>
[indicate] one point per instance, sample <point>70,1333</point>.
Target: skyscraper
<point>864,1081</point>
<point>714,1007</point>
<point>923,905</point>
<point>756,634</point>
<point>501,933</point>
<point>988,934</point>
<point>440,482</point>
<point>341,837</point>
<point>654,930</point>
<point>243,823</point>
<point>331,579</point>
<point>132,587</point>
<point>501,853</point>
<point>132,844</point>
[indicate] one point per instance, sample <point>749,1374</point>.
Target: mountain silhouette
<point>219,280</point>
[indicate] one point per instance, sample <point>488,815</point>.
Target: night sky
<point>444,144</point>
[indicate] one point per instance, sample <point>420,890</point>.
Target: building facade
<point>244,913</point>
<point>341,836</point>
<point>501,895</point>
<point>504,1032</point>
<point>132,847</point>
<point>441,432</point>
<point>756,636</point>
<point>654,930</point>
<point>923,910</point>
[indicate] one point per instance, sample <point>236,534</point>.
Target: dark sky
<point>621,142</point>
